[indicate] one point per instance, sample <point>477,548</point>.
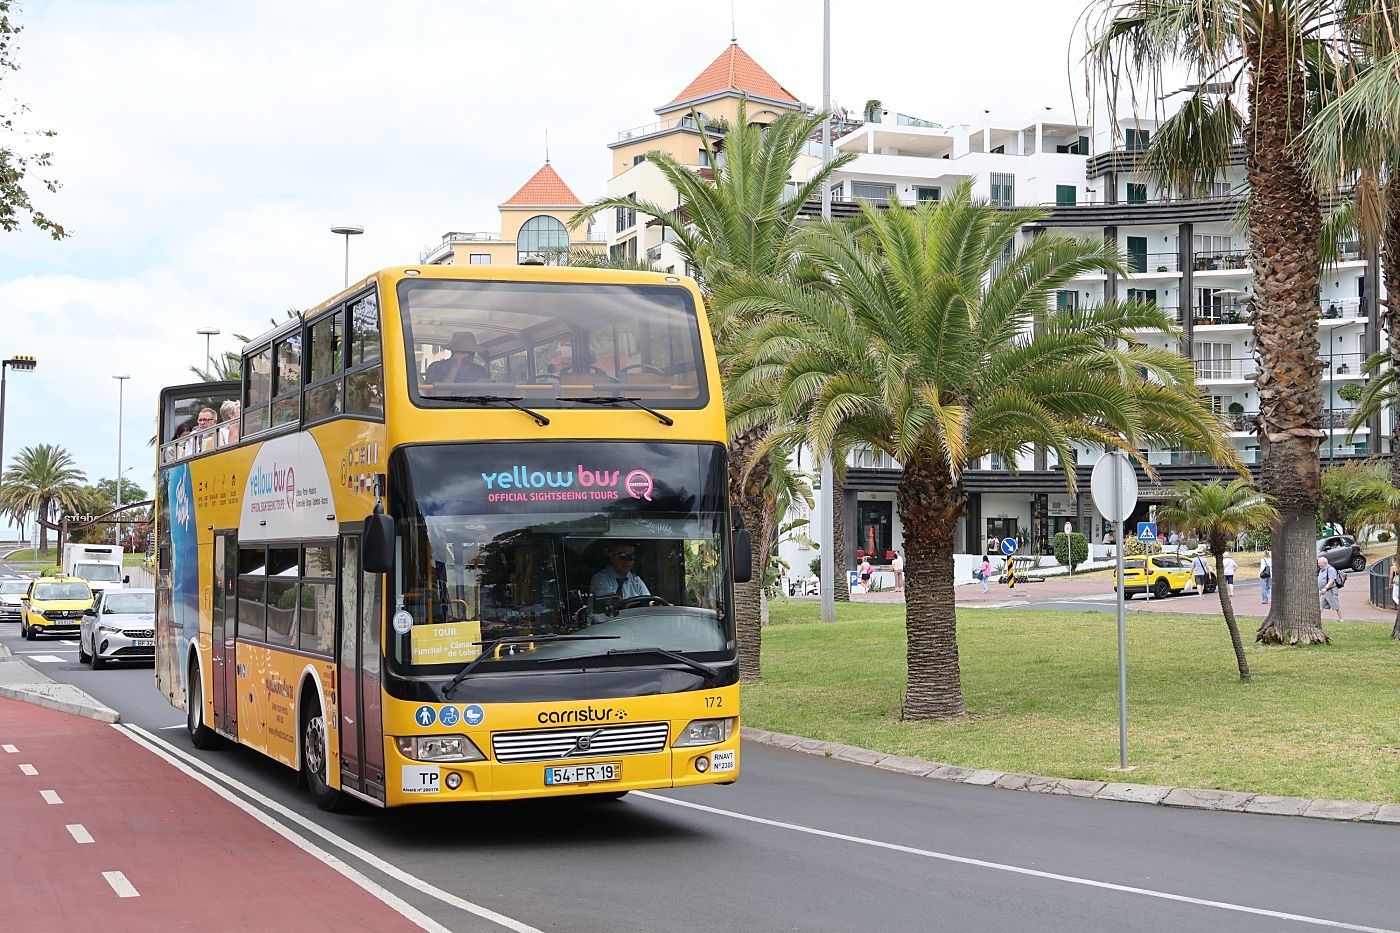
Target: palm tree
<point>1275,50</point>
<point>741,222</point>
<point>1217,512</point>
<point>1380,505</point>
<point>43,481</point>
<point>919,351</point>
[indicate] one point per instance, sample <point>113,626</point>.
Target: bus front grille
<point>641,738</point>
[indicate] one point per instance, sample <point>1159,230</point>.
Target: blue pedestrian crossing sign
<point>1147,531</point>
<point>1009,546</point>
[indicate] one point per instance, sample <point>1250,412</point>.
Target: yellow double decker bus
<point>459,534</point>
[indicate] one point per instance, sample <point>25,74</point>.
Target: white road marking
<point>119,884</point>
<point>169,753</point>
<point>50,796</point>
<point>79,833</point>
<point>187,762</point>
<point>71,644</point>
<point>29,770</point>
<point>46,658</point>
<point>1016,869</point>
<point>10,749</point>
<point>178,725</point>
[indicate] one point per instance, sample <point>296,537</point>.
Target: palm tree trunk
<point>41,516</point>
<point>841,586</point>
<point>1390,268</point>
<point>1285,221</point>
<point>1223,591</point>
<point>930,501</point>
<point>749,495</point>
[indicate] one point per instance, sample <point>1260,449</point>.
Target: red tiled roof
<point>545,187</point>
<point>735,70</point>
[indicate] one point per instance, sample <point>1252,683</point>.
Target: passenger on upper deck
<point>461,366</point>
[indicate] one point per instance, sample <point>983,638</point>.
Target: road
<point>808,843</point>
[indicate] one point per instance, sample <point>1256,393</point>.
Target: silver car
<point>10,592</point>
<point>120,626</point>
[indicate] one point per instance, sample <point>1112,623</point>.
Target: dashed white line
<point>50,796</point>
<point>29,770</point>
<point>1017,869</point>
<point>79,833</point>
<point>119,884</point>
<point>10,749</point>
<point>46,658</point>
<point>178,725</point>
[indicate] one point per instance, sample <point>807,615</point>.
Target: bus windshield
<point>547,343</point>
<point>623,541</point>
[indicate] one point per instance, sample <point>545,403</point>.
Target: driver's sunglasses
<point>628,556</point>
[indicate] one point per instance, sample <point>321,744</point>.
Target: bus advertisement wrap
<point>184,559</point>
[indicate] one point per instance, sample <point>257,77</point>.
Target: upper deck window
<point>552,343</point>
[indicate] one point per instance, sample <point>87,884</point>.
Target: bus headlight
<point>438,748</point>
<point>704,732</point>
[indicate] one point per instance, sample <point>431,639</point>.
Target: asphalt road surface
<point>807,843</point>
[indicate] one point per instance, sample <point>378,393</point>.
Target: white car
<point>120,626</point>
<point>10,592</point>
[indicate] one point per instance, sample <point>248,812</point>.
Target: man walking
<point>1329,584</point>
<point>1201,573</point>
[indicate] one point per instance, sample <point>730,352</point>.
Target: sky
<point>206,148</point>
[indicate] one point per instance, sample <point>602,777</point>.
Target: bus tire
<point>314,760</point>
<point>201,735</point>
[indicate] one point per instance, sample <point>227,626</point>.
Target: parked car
<point>1166,575</point>
<point>120,626</point>
<point>53,606</point>
<point>1342,552</point>
<point>12,589</point>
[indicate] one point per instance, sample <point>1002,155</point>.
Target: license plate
<point>143,643</point>
<point>583,774</point>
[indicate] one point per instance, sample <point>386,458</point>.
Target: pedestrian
<point>993,544</point>
<point>984,574</point>
<point>1329,584</point>
<point>1230,567</point>
<point>897,565</point>
<point>1266,576</point>
<point>1200,573</point>
<point>865,571</point>
<point>1174,539</point>
<point>1395,582</point>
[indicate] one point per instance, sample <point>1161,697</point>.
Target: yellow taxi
<point>53,606</point>
<point>1166,574</point>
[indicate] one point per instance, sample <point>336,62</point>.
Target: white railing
<point>433,253</point>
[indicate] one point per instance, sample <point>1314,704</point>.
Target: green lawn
<point>1041,691</point>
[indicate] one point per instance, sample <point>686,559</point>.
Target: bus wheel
<point>313,760</point>
<point>201,735</point>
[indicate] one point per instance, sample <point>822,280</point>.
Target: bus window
<point>282,596</point>
<point>252,593</point>
<point>364,331</point>
<point>323,377</point>
<point>318,600</point>
<point>286,403</point>
<point>364,386</point>
<point>553,358</point>
<point>257,382</point>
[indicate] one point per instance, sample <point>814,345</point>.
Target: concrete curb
<point>19,681</point>
<point>1187,797</point>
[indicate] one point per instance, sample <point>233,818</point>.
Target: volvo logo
<point>583,743</point>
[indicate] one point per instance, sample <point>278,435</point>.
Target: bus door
<point>361,726</point>
<point>222,634</point>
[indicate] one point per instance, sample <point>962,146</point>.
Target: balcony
<point>1220,261</point>
<point>1226,370</point>
<point>1344,366</point>
<point>1333,419</point>
<point>1217,315</point>
<point>439,251</point>
<point>687,122</point>
<point>1341,309</point>
<point>1150,263</point>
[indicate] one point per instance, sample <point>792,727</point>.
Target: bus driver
<point>617,579</point>
<point>461,366</point>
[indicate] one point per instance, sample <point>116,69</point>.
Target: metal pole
<point>1122,628</point>
<point>208,353</point>
<point>347,261</point>
<point>828,490</point>
<point>4,369</point>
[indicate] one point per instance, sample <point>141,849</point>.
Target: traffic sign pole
<point>1118,509</point>
<point>1009,546</point>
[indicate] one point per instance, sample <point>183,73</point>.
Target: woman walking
<point>1266,577</point>
<point>984,574</point>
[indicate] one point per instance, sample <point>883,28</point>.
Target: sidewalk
<point>99,834</point>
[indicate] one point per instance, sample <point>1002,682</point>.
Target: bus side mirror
<point>743,556</point>
<point>377,553</point>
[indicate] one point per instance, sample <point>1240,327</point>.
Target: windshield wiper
<point>487,399</point>
<point>489,646</point>
<point>610,399</point>
<point>711,675</point>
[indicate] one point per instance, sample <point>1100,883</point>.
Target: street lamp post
<point>20,364</point>
<point>121,398</point>
<point>829,505</point>
<point>347,230</point>
<point>207,333</point>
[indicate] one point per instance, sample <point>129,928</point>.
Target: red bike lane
<point>187,857</point>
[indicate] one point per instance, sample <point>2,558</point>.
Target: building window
<point>479,259</point>
<point>626,216</point>
<point>1003,189</point>
<point>1079,147</point>
<point>639,159</point>
<point>702,158</point>
<point>542,237</point>
<point>1066,299</point>
<point>1136,139</point>
<point>1220,189</point>
<point>1137,193</point>
<point>627,249</point>
<point>872,191</point>
<point>1066,195</point>
<point>928,194</point>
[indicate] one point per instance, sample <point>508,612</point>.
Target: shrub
<point>51,572</point>
<point>1078,542</point>
<point>816,566</point>
<point>1351,392</point>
